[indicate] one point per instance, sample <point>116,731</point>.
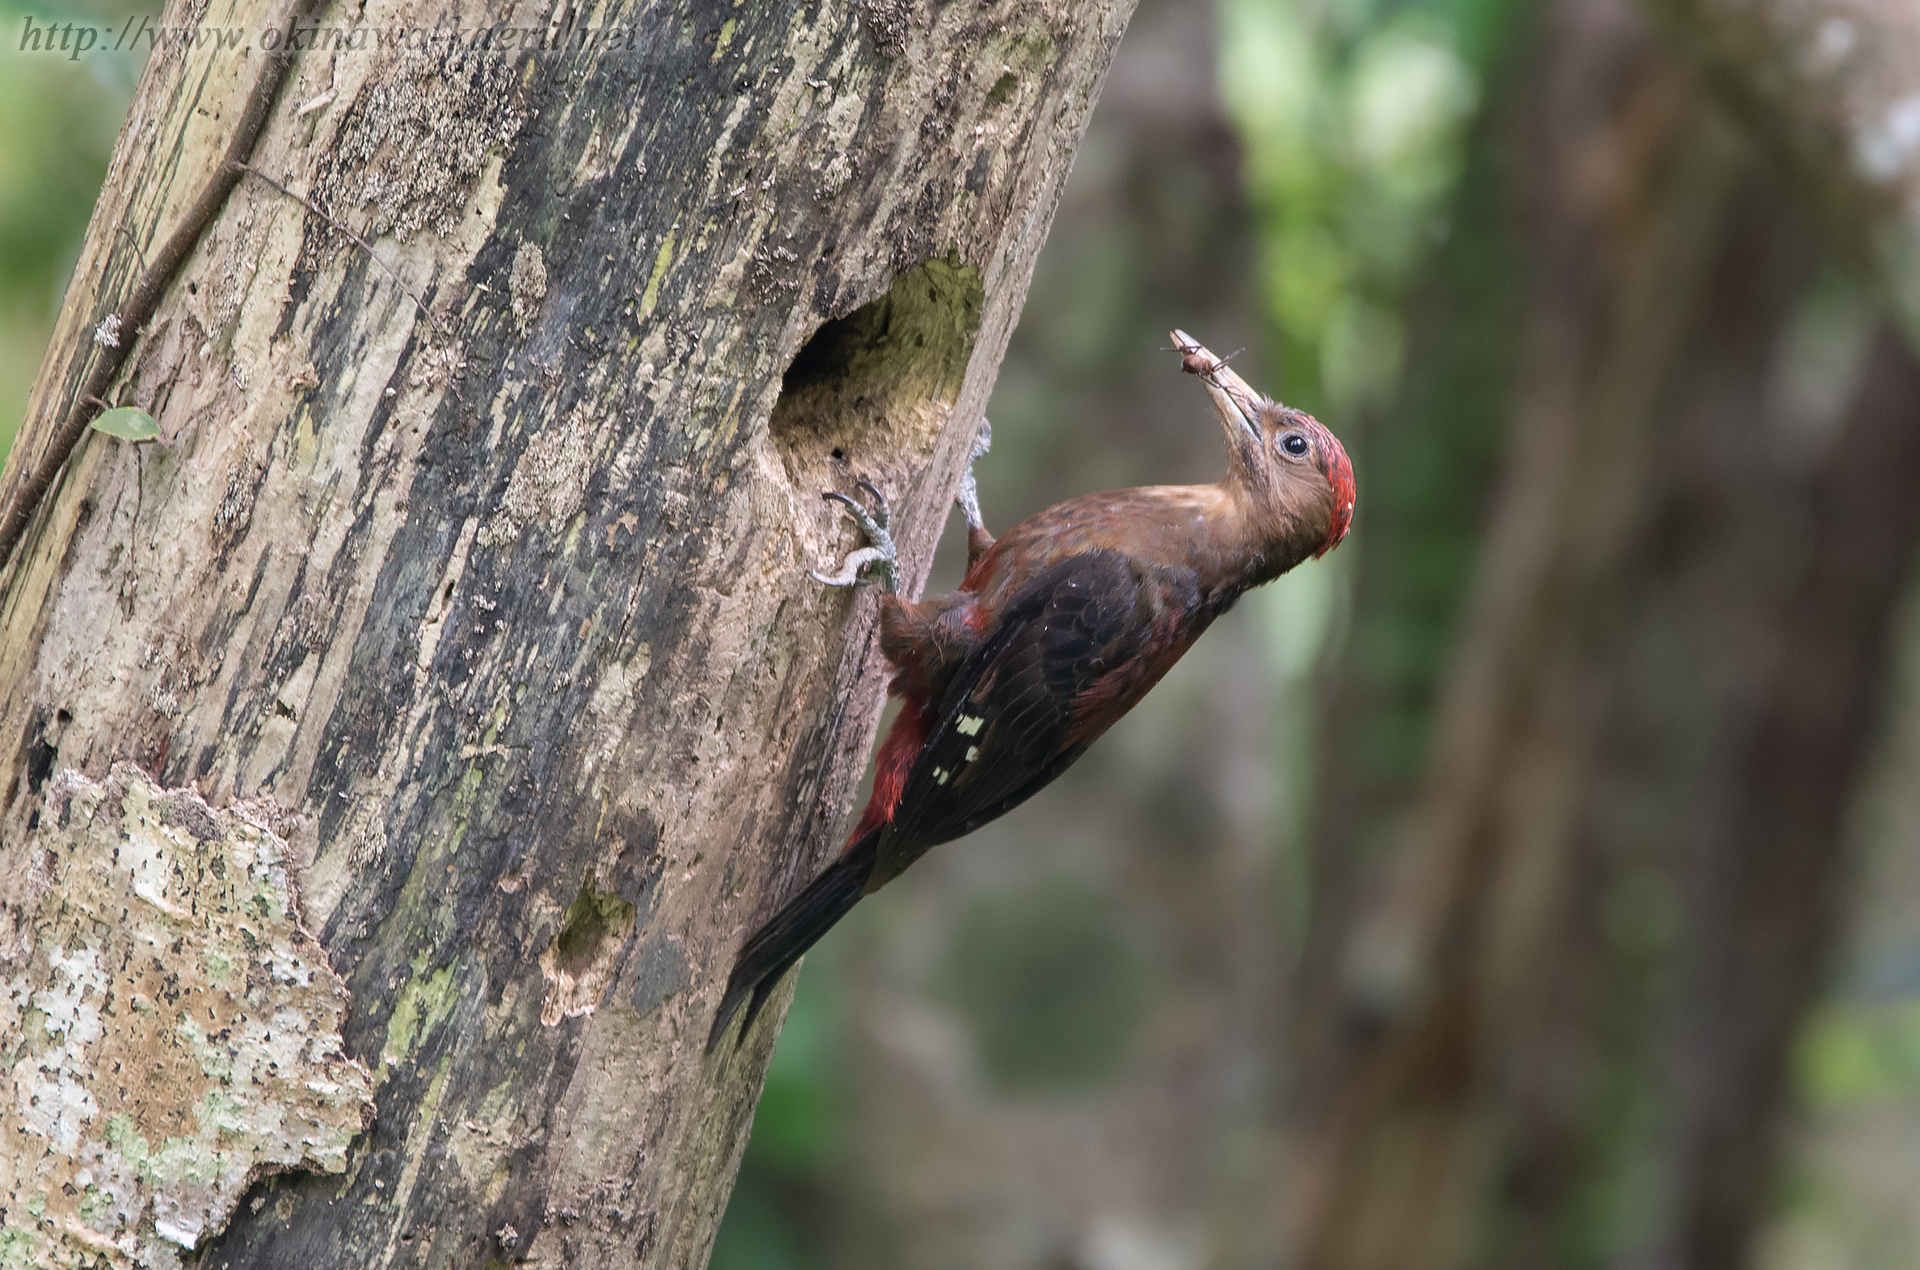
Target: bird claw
<point>878,563</point>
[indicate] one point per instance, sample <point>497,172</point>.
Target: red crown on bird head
<point>1338,469</point>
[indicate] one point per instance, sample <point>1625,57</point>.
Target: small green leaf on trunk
<point>129,423</point>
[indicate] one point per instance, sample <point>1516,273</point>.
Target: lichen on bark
<point>173,1034</point>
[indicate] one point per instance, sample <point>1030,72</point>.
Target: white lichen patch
<point>549,483</point>
<point>174,1034</point>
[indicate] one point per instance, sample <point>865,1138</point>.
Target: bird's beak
<point>1234,400</point>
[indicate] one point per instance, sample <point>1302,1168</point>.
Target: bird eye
<point>1293,443</point>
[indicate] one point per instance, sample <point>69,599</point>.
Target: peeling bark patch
<point>549,483</point>
<point>585,956</point>
<point>235,513</point>
<point>886,21</point>
<point>174,1034</point>
<point>418,137</point>
<point>527,284</point>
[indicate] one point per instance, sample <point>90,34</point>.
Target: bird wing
<point>1013,716</point>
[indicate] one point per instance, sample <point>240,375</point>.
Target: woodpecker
<point>1059,627</point>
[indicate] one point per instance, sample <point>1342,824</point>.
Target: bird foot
<point>878,563</point>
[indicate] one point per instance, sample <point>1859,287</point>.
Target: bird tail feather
<point>794,929</point>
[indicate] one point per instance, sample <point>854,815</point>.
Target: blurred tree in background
<point>1534,882</point>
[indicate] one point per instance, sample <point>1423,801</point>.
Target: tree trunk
<point>1826,87</point>
<point>1616,888</point>
<point>459,616</point>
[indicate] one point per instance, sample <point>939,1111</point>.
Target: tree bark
<point>1831,88</point>
<point>461,609</point>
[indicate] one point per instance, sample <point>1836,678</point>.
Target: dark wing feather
<point>1007,724</point>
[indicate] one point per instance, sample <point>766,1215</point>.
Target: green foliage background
<point>58,119</point>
